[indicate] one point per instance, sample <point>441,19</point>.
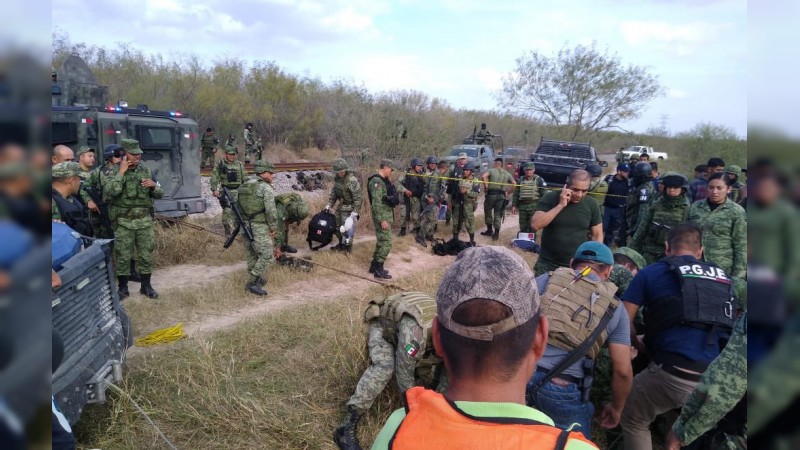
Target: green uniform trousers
<point>135,244</point>
<point>383,244</point>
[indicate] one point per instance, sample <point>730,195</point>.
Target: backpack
<point>452,247</point>
<point>321,229</point>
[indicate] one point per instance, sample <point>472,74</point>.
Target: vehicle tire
<point>660,158</point>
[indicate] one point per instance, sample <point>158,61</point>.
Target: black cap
<point>715,162</point>
<point>700,168</point>
<point>209,129</point>
<point>498,159</point>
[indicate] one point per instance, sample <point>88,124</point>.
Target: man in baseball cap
<point>584,313</point>
<point>490,335</point>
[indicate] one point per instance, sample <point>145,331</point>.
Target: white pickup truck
<point>636,150</point>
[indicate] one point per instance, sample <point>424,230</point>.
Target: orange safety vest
<point>433,422</point>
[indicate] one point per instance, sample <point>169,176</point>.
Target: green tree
<point>581,91</point>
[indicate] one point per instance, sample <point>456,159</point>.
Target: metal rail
<point>285,167</point>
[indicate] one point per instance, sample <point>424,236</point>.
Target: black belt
<point>563,376</point>
<point>672,370</point>
<point>614,206</point>
<point>495,192</point>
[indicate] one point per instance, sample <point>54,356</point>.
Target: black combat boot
<point>496,235</point>
<point>146,288</point>
<point>345,436</point>
<point>421,241</point>
<point>286,248</point>
<point>340,245</point>
<point>381,273</point>
<point>372,266</point>
<point>122,287</point>
<point>436,228</point>
<point>255,288</point>
<point>227,229</point>
<point>261,281</point>
<point>135,276</point>
<point>402,231</point>
<point>455,235</point>
<point>488,231</point>
<point>472,239</point>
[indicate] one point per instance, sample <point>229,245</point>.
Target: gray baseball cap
<point>491,273</point>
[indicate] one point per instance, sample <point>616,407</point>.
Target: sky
<point>457,50</point>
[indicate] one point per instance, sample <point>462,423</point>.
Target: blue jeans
<point>562,404</point>
<point>614,220</point>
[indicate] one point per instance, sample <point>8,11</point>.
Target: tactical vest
<point>207,141</point>
<point>294,205</point>
<point>452,183</point>
<point>73,213</point>
<point>251,204</point>
<point>666,216</point>
<point>341,192</point>
<point>706,301</point>
<point>572,316</point>
<point>390,310</point>
<point>391,198</point>
<point>134,197</point>
<point>231,177</point>
<point>473,188</point>
<point>414,183</point>
<point>529,189</point>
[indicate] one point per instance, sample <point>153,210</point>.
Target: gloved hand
<point>327,208</point>
<point>354,215</point>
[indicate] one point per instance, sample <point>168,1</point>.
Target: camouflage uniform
<point>380,211</point>
<point>620,275</point>
<point>96,182</point>
<point>456,171</point>
<point>410,206</point>
<point>77,216</point>
<point>434,190</point>
<point>467,206</point>
<point>500,182</point>
<point>399,344</point>
<point>663,214</point>
<point>347,191</point>
<point>638,203</point>
<point>230,175</point>
<point>207,144</point>
<point>724,235</point>
<point>131,213</point>
<point>249,143</point>
<point>722,386</point>
<point>291,208</point>
<point>257,202</point>
<point>525,198</point>
<point>736,186</point>
<point>598,189</point>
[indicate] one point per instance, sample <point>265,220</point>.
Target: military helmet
<point>734,169</point>
<point>432,160</point>
<point>339,165</point>
<point>642,168</point>
<point>262,166</point>
<point>230,150</point>
<point>473,166</point>
<point>594,170</point>
<point>674,179</point>
<point>416,162</point>
<point>633,255</point>
<point>112,150</point>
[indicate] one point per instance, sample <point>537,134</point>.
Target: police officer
<point>640,196</point>
<point>229,173</point>
<point>497,183</point>
<point>411,186</point>
<point>347,192</point>
<point>67,206</point>
<point>667,211</point>
<point>531,189</point>
<point>434,196</point>
<point>689,310</point>
<point>131,192</point>
<point>257,201</point>
<point>400,343</point>
<point>576,309</point>
<point>383,198</point>
<point>469,188</point>
<point>208,146</point>
<point>614,207</point>
<point>454,177</point>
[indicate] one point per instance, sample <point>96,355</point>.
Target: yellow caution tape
<point>514,186</point>
<point>162,336</point>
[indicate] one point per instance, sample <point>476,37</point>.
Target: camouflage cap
<point>633,255</point>
<point>85,149</point>
<point>131,146</point>
<point>491,273</point>
<point>339,165</point>
<point>66,169</point>
<point>388,163</point>
<point>262,166</point>
<point>230,150</point>
<point>736,170</point>
<point>529,166</point>
<point>462,155</point>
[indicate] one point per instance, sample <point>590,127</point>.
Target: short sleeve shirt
<point>569,228</point>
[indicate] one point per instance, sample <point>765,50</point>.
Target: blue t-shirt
<point>618,329</point>
<point>658,281</point>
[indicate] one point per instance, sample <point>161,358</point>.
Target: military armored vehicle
<point>480,149</point>
<point>82,115</point>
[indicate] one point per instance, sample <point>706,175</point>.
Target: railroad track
<point>284,167</point>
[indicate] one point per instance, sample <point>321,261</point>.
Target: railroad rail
<point>283,167</point>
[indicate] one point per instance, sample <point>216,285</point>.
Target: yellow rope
<point>162,336</point>
<point>478,180</point>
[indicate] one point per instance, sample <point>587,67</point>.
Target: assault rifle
<point>503,214</point>
<point>240,223</point>
<point>97,197</point>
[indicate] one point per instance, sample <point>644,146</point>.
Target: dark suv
<point>555,160</point>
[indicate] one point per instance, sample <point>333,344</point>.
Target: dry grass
<point>180,244</point>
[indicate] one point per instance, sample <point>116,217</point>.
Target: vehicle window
<point>155,137</point>
<point>471,152</point>
<point>64,133</point>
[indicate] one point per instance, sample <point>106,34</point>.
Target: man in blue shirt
<point>565,396</point>
<point>614,206</point>
<point>689,312</point>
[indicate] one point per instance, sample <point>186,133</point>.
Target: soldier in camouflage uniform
<point>399,342</point>
<point>383,197</point>
<point>208,146</point>
<point>347,192</point>
<point>724,225</point>
<point>469,188</point>
<point>131,192</point>
<point>667,211</point>
<point>598,187</point>
<point>86,158</point>
<point>498,184</point>
<point>455,174</point>
<point>738,189</point>
<point>66,204</point>
<point>706,420</point>
<point>411,186</point>
<point>257,203</point>
<point>530,190</point>
<point>627,263</point>
<point>229,173</point>
<point>640,197</point>
<point>434,195</point>
<point>249,141</point>
<point>112,155</point>
<point>291,209</point>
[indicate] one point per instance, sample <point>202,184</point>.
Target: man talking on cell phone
<point>565,216</point>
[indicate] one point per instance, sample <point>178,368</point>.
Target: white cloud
<point>492,79</point>
<point>348,20</point>
<point>676,93</point>
<point>390,72</point>
<point>677,39</point>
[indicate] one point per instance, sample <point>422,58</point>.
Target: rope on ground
<point>141,411</point>
<point>162,336</point>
